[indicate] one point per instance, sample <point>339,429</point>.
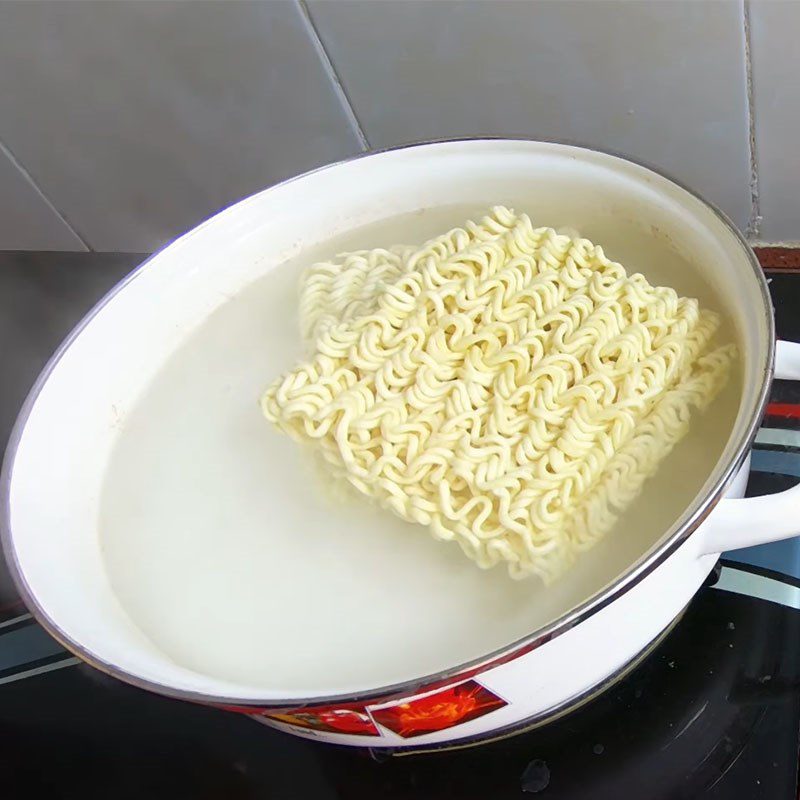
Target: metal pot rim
<point>633,575</point>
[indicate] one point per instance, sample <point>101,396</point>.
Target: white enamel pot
<point>390,639</point>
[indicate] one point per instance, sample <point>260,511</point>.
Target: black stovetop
<point>713,712</point>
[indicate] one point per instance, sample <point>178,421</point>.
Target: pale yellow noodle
<point>508,387</point>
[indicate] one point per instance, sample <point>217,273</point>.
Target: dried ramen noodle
<point>508,387</point>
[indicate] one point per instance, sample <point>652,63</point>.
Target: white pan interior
<point>248,580</point>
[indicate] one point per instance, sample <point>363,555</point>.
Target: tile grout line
<point>754,223</point>
<point>15,162</point>
<point>327,64</point>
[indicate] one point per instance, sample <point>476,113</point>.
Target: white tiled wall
<point>130,121</point>
<point>659,81</point>
<point>139,119</point>
<point>774,29</point>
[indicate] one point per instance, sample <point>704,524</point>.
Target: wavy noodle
<point>509,387</point>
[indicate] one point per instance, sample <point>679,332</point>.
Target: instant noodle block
<point>507,387</point>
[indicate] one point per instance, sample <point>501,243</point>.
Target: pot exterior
<point>533,685</point>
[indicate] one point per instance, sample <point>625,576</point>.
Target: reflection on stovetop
<point>712,712</point>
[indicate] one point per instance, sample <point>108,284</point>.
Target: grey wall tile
<point>139,119</point>
<point>659,81</point>
<point>776,93</point>
<point>27,222</point>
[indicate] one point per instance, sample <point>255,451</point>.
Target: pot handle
<point>747,521</point>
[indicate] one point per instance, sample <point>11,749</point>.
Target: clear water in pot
<point>225,551</point>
